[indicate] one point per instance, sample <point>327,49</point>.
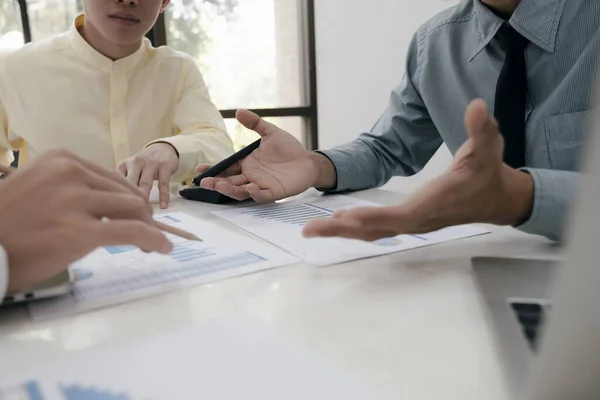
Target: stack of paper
<point>116,274</point>
<point>237,358</point>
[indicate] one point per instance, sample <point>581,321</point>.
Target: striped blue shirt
<point>454,58</point>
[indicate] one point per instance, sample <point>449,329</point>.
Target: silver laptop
<point>546,315</point>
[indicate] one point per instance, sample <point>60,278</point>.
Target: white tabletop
<point>411,324</point>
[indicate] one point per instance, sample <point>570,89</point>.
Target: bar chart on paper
<point>33,390</point>
<point>293,214</point>
<point>193,363</point>
<point>282,224</point>
<point>119,273</point>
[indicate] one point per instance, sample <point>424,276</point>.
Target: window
<point>43,18</point>
<point>242,137</point>
<point>255,54</point>
<point>11,32</point>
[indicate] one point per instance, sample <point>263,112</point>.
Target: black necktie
<point>511,95</point>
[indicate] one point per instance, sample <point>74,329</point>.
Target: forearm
<point>554,193</point>
<point>354,166</point>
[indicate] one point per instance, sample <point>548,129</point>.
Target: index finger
<point>164,179</point>
<point>128,232</point>
<point>348,229</point>
<point>379,216</point>
<point>112,175</point>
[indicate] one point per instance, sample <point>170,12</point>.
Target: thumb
<point>200,168</point>
<point>481,127</point>
<point>253,122</point>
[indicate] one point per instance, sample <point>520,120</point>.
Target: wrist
<point>325,172</point>
<point>166,145</point>
<point>518,197</point>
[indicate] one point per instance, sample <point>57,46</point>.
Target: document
<point>233,358</point>
<point>282,223</point>
<point>112,275</point>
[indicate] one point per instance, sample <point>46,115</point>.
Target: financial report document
<point>233,358</point>
<point>111,275</point>
<point>282,224</point>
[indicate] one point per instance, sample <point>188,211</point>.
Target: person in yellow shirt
<point>103,92</point>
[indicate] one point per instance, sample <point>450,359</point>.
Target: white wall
<point>361,50</point>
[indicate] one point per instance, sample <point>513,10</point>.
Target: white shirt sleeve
<point>3,272</point>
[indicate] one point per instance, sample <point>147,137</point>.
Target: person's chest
<point>102,116</point>
<point>558,102</point>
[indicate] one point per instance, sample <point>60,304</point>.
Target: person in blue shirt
<point>522,69</point>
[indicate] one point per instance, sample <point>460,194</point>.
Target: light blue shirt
<point>455,58</point>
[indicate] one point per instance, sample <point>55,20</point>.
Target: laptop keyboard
<point>531,317</point>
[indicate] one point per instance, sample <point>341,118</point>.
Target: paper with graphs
<point>233,358</point>
<point>282,223</point>
<point>116,274</point>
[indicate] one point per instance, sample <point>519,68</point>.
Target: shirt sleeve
<point>6,144</point>
<point>402,141</point>
<point>3,272</point>
<point>200,135</point>
<point>554,194</point>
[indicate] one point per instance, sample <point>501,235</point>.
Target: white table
<point>411,324</point>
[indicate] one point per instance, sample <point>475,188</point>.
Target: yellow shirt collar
<point>97,59</point>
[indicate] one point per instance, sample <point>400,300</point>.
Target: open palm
<point>279,168</point>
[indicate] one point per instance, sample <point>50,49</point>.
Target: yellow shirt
<point>62,93</point>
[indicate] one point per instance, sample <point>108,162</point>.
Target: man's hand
<point>478,187</point>
<point>279,168</point>
<point>59,208</point>
<point>156,162</point>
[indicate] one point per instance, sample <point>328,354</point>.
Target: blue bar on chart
<point>143,280</point>
<point>112,250</point>
<point>184,252</point>
<point>91,393</point>
<point>28,391</point>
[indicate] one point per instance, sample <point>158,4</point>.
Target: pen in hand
<point>178,232</point>
<point>221,166</point>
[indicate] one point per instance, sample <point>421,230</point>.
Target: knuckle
<point>72,198</point>
<point>139,161</point>
<point>69,168</point>
<point>138,229</point>
<point>59,153</point>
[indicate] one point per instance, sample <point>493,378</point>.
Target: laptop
<point>56,286</point>
<point>545,315</point>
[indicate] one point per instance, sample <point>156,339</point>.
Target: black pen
<point>221,166</point>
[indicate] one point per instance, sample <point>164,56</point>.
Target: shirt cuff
<point>3,272</point>
<point>554,192</point>
<point>187,159</point>
<point>355,168</point>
